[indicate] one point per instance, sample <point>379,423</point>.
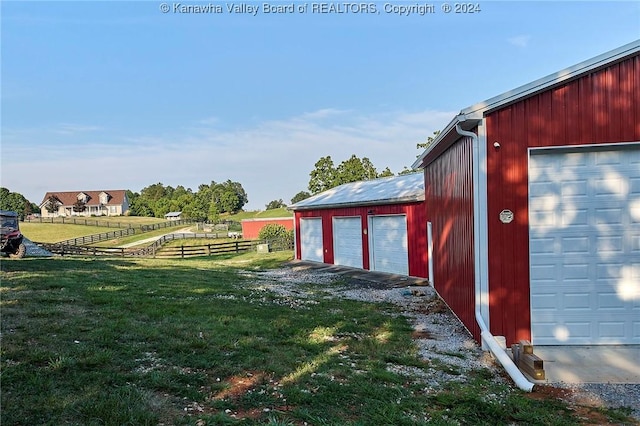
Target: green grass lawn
<point>198,342</point>
<point>282,212</point>
<point>54,232</point>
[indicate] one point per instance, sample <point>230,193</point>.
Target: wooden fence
<point>109,224</point>
<point>96,238</point>
<point>156,250</point>
<point>105,236</point>
<point>78,221</point>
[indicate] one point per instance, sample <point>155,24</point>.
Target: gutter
<point>487,338</point>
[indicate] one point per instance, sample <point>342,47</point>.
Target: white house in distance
<point>85,203</point>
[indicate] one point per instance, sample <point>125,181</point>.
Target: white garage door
<point>584,241</point>
<point>388,244</point>
<point>347,241</point>
<point>311,239</point>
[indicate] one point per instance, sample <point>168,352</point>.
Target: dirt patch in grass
<point>421,335</point>
<point>584,409</point>
<point>237,386</point>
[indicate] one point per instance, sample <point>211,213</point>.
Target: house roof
<point>69,198</point>
<point>173,214</point>
<point>470,117</point>
<point>389,190</point>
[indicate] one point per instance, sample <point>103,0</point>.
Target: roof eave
<point>472,115</point>
<point>449,135</point>
<point>554,79</point>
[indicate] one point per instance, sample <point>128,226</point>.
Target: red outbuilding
<point>377,225</point>
<point>533,197</point>
<point>251,227</point>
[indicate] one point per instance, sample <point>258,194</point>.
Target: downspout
<point>494,347</point>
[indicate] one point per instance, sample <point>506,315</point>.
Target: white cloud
<point>271,160</point>
<point>520,40</point>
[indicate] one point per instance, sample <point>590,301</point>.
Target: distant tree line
<point>207,203</point>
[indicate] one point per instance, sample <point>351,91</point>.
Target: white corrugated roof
<point>389,190</point>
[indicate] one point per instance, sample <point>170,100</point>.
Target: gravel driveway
<point>438,334</point>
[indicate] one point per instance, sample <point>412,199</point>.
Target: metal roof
<point>389,190</point>
<point>470,116</point>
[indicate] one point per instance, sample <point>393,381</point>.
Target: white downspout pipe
<point>494,347</point>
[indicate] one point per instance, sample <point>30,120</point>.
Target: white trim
<point>487,339</point>
<point>430,252</point>
<point>550,80</point>
<point>477,111</point>
<point>482,234</point>
<point>540,150</point>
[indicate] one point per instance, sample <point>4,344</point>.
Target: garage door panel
<point>347,241</point>
<point>388,244</point>
<point>311,239</point>
<point>584,245</point>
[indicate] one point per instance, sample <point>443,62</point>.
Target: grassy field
<point>118,242</point>
<point>54,232</point>
<point>258,214</point>
<point>199,342</point>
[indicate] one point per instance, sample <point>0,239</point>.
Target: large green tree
<point>275,204</point>
<point>429,141</point>
<point>326,176</point>
<point>205,204</point>
<point>323,176</point>
<point>302,195</point>
<point>16,202</point>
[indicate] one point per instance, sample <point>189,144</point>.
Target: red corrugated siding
<point>449,207</point>
<point>416,230</point>
<point>251,228</point>
<point>601,107</point>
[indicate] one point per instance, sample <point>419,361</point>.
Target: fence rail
<point>109,224</point>
<point>78,221</point>
<point>105,236</point>
<point>156,250</point>
<point>96,238</point>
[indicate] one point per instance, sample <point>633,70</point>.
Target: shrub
<point>274,231</point>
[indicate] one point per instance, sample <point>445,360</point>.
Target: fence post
<point>237,247</point>
<point>182,251</point>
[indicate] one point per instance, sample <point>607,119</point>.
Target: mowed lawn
<point>55,232</point>
<point>200,342</point>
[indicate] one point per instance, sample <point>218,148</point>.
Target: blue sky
<point>119,95</point>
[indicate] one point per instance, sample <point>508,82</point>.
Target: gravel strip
<point>34,250</point>
<point>439,335</point>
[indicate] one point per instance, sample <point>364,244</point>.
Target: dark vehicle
<point>10,236</point>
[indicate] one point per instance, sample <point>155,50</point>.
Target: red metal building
<point>251,227</point>
<point>533,197</point>
<point>376,225</point>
